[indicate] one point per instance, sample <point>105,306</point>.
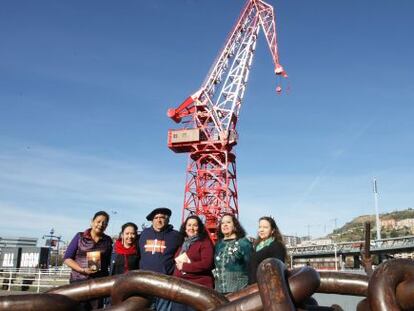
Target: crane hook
<point>278,89</point>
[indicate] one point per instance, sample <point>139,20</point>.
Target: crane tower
<point>209,118</point>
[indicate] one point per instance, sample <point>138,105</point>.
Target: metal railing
<point>389,244</point>
<point>33,279</point>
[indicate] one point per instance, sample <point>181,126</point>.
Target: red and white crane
<point>209,118</point>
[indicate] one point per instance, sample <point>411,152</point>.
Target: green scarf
<point>264,243</point>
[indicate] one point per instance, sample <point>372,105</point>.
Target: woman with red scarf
<point>126,253</point>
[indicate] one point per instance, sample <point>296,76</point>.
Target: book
<point>183,258</point>
<point>94,260</point>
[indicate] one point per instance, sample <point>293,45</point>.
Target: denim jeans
<point>181,307</point>
<point>160,304</point>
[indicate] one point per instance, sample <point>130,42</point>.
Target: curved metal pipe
<point>390,288</point>
<point>384,282</point>
<point>363,305</point>
<point>251,289</point>
<point>343,283</point>
<point>273,286</point>
<point>405,294</point>
<point>302,283</point>
<point>88,289</point>
<point>301,280</point>
<point>167,287</point>
<point>250,302</point>
<point>38,302</point>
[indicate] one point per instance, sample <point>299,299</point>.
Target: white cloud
<point>18,221</point>
<point>42,187</point>
<point>55,188</point>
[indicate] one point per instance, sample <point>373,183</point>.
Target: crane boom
<point>210,115</point>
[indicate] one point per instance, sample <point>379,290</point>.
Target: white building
<point>17,242</point>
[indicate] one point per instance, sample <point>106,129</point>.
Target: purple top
<point>81,244</point>
<point>72,248</point>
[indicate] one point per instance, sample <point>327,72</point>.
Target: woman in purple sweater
<point>194,259</point>
<point>89,252</point>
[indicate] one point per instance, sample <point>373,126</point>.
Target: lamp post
<point>377,218</point>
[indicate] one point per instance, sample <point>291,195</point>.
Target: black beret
<point>159,210</point>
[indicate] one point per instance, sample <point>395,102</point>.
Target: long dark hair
<point>238,229</point>
<point>275,232</point>
<point>202,232</point>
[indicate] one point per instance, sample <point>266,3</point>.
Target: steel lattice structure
<point>210,115</point>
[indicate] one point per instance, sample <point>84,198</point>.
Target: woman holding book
<point>269,244</point>
<point>126,253</point>
<point>232,255</point>
<point>89,254</point>
<point>194,259</point>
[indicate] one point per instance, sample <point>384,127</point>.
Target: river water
<point>348,303</point>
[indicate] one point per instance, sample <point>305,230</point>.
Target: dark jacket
<point>199,270</point>
<point>157,249</point>
<point>124,259</point>
<point>274,250</point>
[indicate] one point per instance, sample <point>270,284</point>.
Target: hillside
<point>354,230</point>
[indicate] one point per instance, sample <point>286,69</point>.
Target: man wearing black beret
<point>158,245</point>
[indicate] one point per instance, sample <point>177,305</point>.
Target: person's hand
<point>88,271</point>
<point>179,265</point>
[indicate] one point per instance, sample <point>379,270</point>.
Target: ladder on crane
<point>209,118</point>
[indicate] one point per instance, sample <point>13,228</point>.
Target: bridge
<point>389,246</point>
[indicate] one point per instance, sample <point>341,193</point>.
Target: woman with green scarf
<point>269,244</point>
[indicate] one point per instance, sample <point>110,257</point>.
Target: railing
<point>32,279</point>
<point>389,244</point>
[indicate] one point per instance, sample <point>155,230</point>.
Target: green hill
<point>354,230</point>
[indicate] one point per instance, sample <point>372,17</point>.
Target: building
<point>319,241</point>
<point>11,242</point>
<point>22,252</point>
<point>291,240</point>
<point>322,241</point>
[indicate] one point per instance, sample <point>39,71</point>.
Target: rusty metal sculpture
<point>366,258</point>
<point>273,287</point>
<point>391,287</point>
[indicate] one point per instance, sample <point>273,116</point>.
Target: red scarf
<point>122,250</point>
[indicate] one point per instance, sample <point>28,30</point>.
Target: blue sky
<point>85,85</point>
